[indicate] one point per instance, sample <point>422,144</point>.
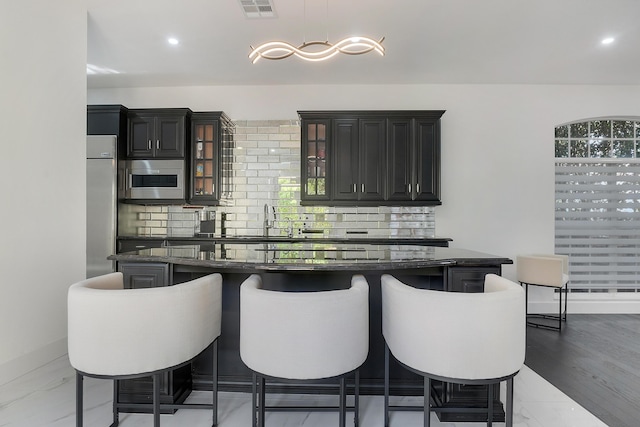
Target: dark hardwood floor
<point>595,361</point>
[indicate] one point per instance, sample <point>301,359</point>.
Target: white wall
<point>497,146</point>
<point>42,175</point>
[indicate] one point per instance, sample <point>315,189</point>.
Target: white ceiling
<point>426,41</point>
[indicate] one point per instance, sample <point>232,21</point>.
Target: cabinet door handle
<point>354,188</point>
<point>149,145</point>
<point>417,187</point>
<point>409,188</point>
<point>363,188</point>
<point>157,144</point>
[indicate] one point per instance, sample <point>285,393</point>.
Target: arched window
<point>597,209</point>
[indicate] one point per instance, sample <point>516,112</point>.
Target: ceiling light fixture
<point>316,50</point>
<point>608,40</point>
<point>173,40</point>
<point>349,45</point>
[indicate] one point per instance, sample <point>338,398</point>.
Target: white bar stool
<point>549,271</point>
<point>117,333</point>
<point>456,337</point>
<point>303,336</point>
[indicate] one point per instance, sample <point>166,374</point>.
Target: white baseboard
<point>28,362</point>
<point>586,305</point>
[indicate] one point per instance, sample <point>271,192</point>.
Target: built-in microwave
<point>155,179</point>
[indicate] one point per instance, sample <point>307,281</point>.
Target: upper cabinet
<point>413,146</point>
<point>109,120</point>
<point>158,133</point>
<point>359,161</point>
<point>370,158</point>
<point>211,136</point>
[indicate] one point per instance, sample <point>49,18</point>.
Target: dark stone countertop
<point>311,255</point>
<point>426,241</point>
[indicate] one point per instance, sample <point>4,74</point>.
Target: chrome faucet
<point>289,227</point>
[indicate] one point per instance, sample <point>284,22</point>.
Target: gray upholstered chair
<point>117,333</point>
<point>466,338</point>
<point>300,336</point>
<point>545,270</point>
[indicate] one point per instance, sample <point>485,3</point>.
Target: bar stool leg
<point>156,400</point>
<point>489,405</point>
<point>386,385</point>
<point>79,398</point>
<point>215,384</point>
<point>343,402</point>
<point>509,411</point>
<point>560,311</point>
<point>254,400</point>
<point>356,404</point>
<point>262,400</point>
<point>116,416</point>
<point>427,400</point>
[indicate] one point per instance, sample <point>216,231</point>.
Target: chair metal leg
<point>215,384</point>
<point>489,405</point>
<point>356,403</point>
<point>560,311</point>
<point>560,317</point>
<point>509,409</point>
<point>259,406</point>
<point>343,402</point>
<point>262,401</point>
<point>386,385</point>
<point>254,400</point>
<point>156,400</point>
<point>427,400</point>
<point>116,416</point>
<point>79,395</point>
<point>566,298</point>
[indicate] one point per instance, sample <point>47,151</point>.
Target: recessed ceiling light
<point>173,40</point>
<point>608,40</point>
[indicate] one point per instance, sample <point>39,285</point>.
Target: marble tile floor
<point>46,397</point>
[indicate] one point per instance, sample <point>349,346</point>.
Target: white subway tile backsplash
<point>266,170</point>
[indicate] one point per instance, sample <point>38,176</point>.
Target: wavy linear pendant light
<point>316,50</point>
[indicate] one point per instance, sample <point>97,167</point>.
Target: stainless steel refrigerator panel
<point>101,204</point>
<point>101,147</point>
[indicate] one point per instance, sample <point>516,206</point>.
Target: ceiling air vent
<point>258,8</point>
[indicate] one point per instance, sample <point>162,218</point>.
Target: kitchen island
<point>309,265</point>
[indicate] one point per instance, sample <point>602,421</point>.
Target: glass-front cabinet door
<point>315,134</point>
<point>205,155</point>
<point>205,160</point>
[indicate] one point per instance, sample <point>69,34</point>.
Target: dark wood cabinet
<point>467,279</point>
<point>211,133</point>
<point>158,133</point>
<point>148,275</point>
<point>372,160</point>
<point>109,120</point>
<point>175,385</point>
<point>414,159</point>
<point>399,137</point>
<point>371,157</point>
<point>344,149</point>
<point>426,160</point>
<point>358,147</point>
<point>316,178</point>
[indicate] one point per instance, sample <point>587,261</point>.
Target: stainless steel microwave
<point>155,179</point>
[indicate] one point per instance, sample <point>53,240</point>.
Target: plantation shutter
<point>597,220</point>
